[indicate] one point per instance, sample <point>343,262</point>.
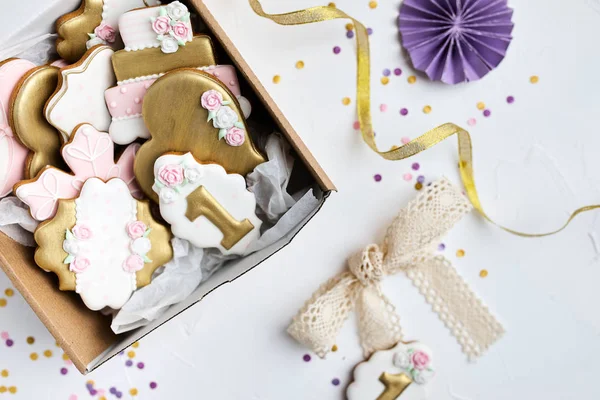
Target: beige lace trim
<point>408,247</point>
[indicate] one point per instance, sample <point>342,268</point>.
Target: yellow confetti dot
<point>102,398</point>
<point>346,101</point>
<point>276,79</point>
<point>131,354</point>
<point>349,26</point>
<point>418,186</point>
<point>385,80</point>
<point>534,79</point>
<point>90,382</point>
<point>4,373</point>
<point>334,348</point>
<point>483,273</point>
<point>47,353</point>
<point>331,5</point>
<point>30,340</point>
<point>12,389</point>
<point>57,345</point>
<point>481,105</point>
<point>394,147</point>
<point>3,389</point>
<point>300,64</point>
<point>136,345</point>
<point>2,302</point>
<point>412,79</point>
<point>9,292</point>
<point>460,253</point>
<point>33,356</point>
<point>65,357</point>
<point>372,4</point>
<point>427,109</point>
<point>133,392</point>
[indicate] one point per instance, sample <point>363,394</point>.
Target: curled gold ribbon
<point>363,106</point>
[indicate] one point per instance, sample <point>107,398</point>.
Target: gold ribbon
<point>408,247</point>
<point>363,105</point>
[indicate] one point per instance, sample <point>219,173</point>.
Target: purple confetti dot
<point>121,353</point>
<point>397,72</point>
<point>369,31</point>
<point>153,385</point>
<point>441,247</point>
<point>89,386</point>
<point>119,395</point>
<point>63,371</point>
<point>510,99</point>
<point>386,72</point>
<point>404,111</point>
<point>113,390</point>
<point>140,365</point>
<point>337,50</point>
<point>93,392</point>
<point>420,179</point>
<point>487,113</point>
<point>349,34</point>
<point>377,178</point>
<point>415,166</point>
<point>306,357</point>
<point>129,363</point>
<point>335,381</point>
<point>9,342</point>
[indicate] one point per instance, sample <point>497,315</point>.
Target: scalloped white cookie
<point>205,205</point>
<point>399,373</point>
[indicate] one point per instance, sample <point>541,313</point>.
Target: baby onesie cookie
<point>13,155</point>
<point>79,97</point>
<point>399,373</point>
<point>103,245</point>
<point>204,118</point>
<point>95,22</point>
<point>125,103</point>
<point>205,205</point>
<point>29,123</point>
<point>89,153</point>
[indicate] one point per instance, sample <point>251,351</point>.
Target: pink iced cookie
<point>13,156</point>
<point>125,103</point>
<point>89,154</point>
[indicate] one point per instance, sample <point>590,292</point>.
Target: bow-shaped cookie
<point>409,247</point>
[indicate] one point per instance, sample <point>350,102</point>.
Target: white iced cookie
<point>399,373</point>
<point>205,205</point>
<point>80,95</point>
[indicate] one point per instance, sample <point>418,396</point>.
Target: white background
<point>536,161</point>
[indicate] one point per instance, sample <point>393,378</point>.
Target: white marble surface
<point>536,160</point>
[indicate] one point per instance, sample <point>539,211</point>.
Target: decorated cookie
<point>203,118</point>
<point>95,22</point>
<point>103,245</point>
<point>89,154</point>
<point>29,124</point>
<point>79,97</point>
<point>125,103</point>
<point>205,205</point>
<point>13,155</point>
<point>399,373</point>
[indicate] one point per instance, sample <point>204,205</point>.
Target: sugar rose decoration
<point>416,361</point>
<point>139,246</point>
<point>72,246</point>
<point>103,34</point>
<point>172,27</point>
<point>223,118</point>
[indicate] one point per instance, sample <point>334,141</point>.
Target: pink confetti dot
<point>472,122</point>
<point>356,125</point>
<point>383,107</point>
<point>73,397</point>
<point>407,177</point>
<point>4,335</point>
<point>405,140</point>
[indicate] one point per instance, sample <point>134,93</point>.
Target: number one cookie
<point>394,385</point>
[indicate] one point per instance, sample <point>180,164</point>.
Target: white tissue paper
<point>191,266</point>
<point>16,221</point>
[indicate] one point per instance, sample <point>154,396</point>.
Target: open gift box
<point>86,336</point>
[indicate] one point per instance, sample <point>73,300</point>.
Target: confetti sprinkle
<point>306,357</point>
<point>418,186</point>
<point>9,292</point>
<point>30,340</point>
<point>415,166</point>
<point>133,392</point>
<point>4,373</point>
<point>9,342</point>
<point>421,179</point>
<point>404,112</point>
<point>487,113</point>
<point>131,354</point>
<point>460,253</point>
<point>397,72</point>
<point>427,109</point>
<point>369,31</point>
<point>405,140</point>
<point>140,365</point>
<point>407,177</point>
<point>510,99</point>
<point>350,34</point>
<point>63,371</point>
<point>4,335</point>
<point>346,101</point>
<point>2,302</point>
<point>349,26</point>
<point>377,178</point>
<point>12,390</point>
<point>387,72</point>
<point>300,64</point>
<point>331,5</point>
<point>480,105</point>
<point>128,363</point>
<point>337,50</point>
<point>276,79</point>
<point>153,385</point>
<point>3,389</point>
<point>33,356</point>
<point>47,353</point>
<point>383,107</point>
<point>385,80</point>
<point>441,247</point>
<point>483,273</point>
<point>472,122</point>
<point>356,125</point>
<point>334,348</point>
<point>534,79</point>
<point>335,381</point>
<point>412,79</point>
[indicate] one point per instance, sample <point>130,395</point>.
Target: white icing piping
<point>116,119</point>
<point>156,76</point>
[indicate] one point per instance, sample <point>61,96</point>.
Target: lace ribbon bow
<point>409,247</point>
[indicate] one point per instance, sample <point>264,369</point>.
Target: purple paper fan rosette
<point>456,40</point>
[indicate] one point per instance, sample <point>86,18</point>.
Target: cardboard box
<point>85,335</point>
